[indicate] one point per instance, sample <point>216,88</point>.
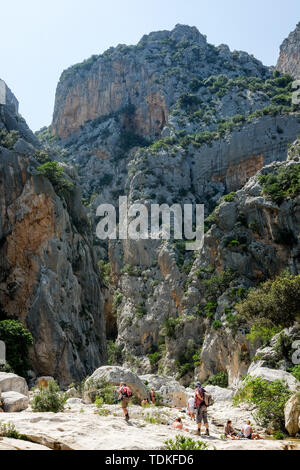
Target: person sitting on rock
<point>247,432</point>
<point>145,402</point>
<point>230,432</point>
<point>125,395</point>
<point>178,424</point>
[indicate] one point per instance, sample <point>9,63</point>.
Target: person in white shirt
<point>247,432</point>
<point>191,408</point>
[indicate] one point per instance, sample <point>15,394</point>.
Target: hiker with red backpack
<point>125,394</point>
<point>202,401</point>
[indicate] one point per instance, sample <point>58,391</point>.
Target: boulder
<point>220,394</point>
<point>14,402</point>
<point>114,375</point>
<point>13,383</point>
<point>74,401</point>
<point>271,375</point>
<point>172,392</point>
<point>292,415</point>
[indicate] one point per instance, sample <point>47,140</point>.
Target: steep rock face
<point>148,76</point>
<point>165,310</point>
<point>49,279</point>
<point>289,59</point>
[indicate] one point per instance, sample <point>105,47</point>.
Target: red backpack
<point>199,397</point>
<point>126,392</point>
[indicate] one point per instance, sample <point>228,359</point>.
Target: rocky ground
<point>81,427</point>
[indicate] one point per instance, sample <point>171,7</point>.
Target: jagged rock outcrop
<point>49,278</point>
<point>148,77</point>
<point>289,59</point>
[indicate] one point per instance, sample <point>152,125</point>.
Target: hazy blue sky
<point>39,38</point>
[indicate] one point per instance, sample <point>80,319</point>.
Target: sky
<point>40,39</point>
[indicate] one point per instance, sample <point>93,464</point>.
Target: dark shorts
<point>202,415</point>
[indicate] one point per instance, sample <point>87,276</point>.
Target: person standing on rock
<point>125,395</point>
<point>201,409</point>
<point>153,397</point>
<point>191,408</point>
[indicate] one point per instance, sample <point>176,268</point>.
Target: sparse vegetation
<point>18,341</point>
<point>185,443</point>
<point>49,399</point>
<point>269,399</point>
<point>281,184</point>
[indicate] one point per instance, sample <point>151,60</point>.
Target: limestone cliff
<point>289,59</point>
<point>48,275</point>
<point>147,77</point>
<point>177,120</point>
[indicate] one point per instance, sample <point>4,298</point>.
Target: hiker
<point>178,424</point>
<point>153,396</point>
<point>247,432</point>
<point>125,395</point>
<point>230,432</point>
<point>201,408</point>
<point>191,408</point>
<point>145,402</point>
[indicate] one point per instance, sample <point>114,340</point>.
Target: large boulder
<point>114,375</point>
<point>172,392</point>
<point>292,415</point>
<point>220,394</point>
<point>270,375</point>
<point>14,402</point>
<point>13,383</point>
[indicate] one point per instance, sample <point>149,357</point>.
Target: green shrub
<point>283,183</point>
<point>219,380</point>
<point>170,325</point>
<point>185,443</point>
<point>105,269</point>
<point>217,325</point>
<point>263,333</point>
<point>55,173</point>
<point>229,197</point>
<point>218,284</point>
<point>295,371</point>
<point>9,430</point>
<point>18,341</point>
<point>8,139</point>
<point>268,398</point>
<point>114,353</point>
<point>276,303</point>
<point>49,399</point>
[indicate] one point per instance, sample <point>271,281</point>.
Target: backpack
<point>199,397</point>
<point>126,392</point>
<point>204,398</point>
<point>208,399</point>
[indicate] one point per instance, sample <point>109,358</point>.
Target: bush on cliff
<point>49,399</point>
<point>18,341</point>
<point>283,183</point>
<point>8,139</point>
<point>55,173</point>
<point>276,303</point>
